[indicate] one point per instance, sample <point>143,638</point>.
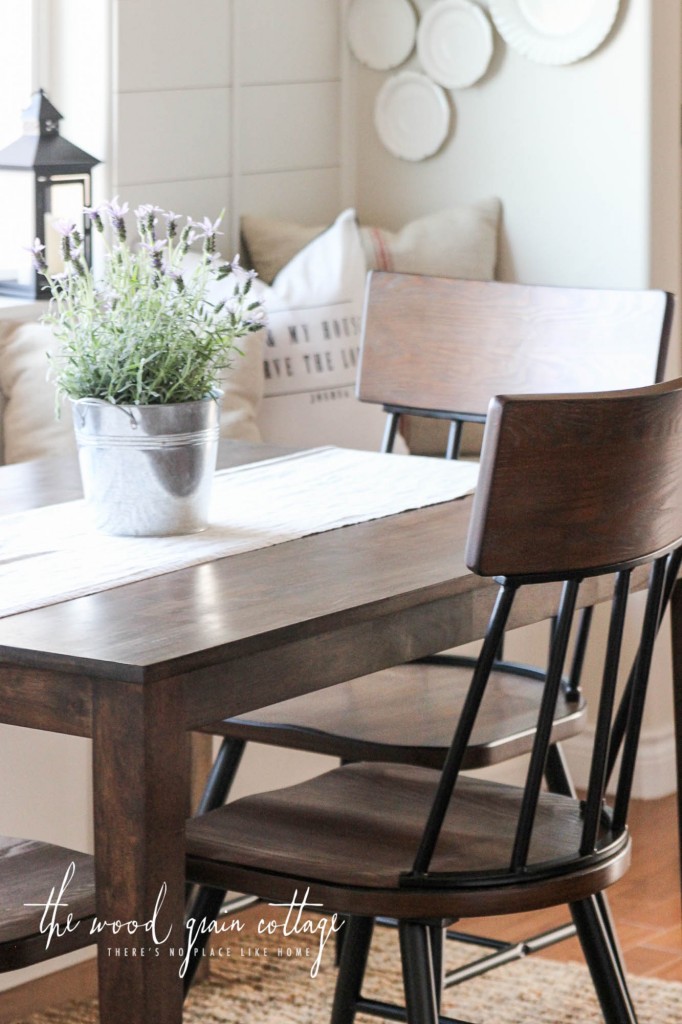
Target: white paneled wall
<point>310,28</point>
<point>173,45</point>
<point>171,70</point>
<point>289,127</point>
<point>308,196</point>
<point>288,106</point>
<point>174,135</point>
<point>230,105</point>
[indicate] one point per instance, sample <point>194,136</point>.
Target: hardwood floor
<point>645,904</point>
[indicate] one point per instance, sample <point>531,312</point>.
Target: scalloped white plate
<point>381,33</point>
<point>412,115</point>
<point>455,43</point>
<point>554,31</point>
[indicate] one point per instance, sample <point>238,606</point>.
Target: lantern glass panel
<point>17,230</point>
<point>65,198</point>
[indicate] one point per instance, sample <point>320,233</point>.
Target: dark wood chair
<point>440,348</point>
<point>31,873</point>
<point>572,487</point>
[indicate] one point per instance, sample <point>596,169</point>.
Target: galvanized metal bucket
<point>147,470</point>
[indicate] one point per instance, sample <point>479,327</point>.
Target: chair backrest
<point>573,486</point>
<point>442,345</point>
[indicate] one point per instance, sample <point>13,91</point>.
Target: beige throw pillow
<point>310,353</point>
<point>458,242</point>
<point>268,245</point>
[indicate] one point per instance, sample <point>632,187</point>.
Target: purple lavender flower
<point>155,249</point>
<point>94,213</point>
<point>255,315</point>
<point>187,237</point>
<point>65,228</point>
<point>147,210</point>
<point>177,277</point>
<point>171,223</point>
<point>208,229</point>
<point>234,268</point>
<point>116,215</point>
<point>146,218</point>
<point>36,250</point>
<point>71,239</point>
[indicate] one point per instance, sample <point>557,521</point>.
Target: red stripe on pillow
<point>382,253</point>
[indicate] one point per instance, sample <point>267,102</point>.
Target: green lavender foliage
<point>145,332</point>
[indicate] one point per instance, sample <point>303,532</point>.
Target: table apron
<point>358,648</point>
<point>40,699</point>
<point>62,702</point>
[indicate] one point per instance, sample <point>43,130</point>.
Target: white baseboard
<point>655,771</point>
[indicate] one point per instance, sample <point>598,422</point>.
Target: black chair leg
<point>205,907</point>
<point>203,904</point>
<point>602,902</point>
<point>598,942</point>
<point>352,966</point>
<point>437,937</point>
<point>420,990</point>
<point>221,776</point>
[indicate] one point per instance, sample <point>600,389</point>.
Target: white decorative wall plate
<point>554,31</point>
<point>412,115</point>
<point>455,43</point>
<point>381,33</point>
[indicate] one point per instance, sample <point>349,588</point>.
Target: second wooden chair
<point>573,487</point>
<point>441,348</point>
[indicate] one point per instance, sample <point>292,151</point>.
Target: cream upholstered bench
<point>29,427</point>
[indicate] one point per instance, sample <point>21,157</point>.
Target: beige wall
<point>586,160</point>
<point>566,148</point>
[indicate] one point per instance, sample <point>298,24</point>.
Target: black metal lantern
<point>43,179</point>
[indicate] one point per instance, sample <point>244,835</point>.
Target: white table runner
<point>52,554</point>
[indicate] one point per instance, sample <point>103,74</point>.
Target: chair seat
<point>365,720</point>
<point>31,873</point>
<point>349,834</point>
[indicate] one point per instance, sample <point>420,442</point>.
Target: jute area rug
<point>277,988</point>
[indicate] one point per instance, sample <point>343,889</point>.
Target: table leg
<point>140,780</point>
<point>676,641</point>
<point>201,746</point>
<point>202,760</point>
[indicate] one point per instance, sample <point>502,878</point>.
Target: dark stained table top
<point>241,602</point>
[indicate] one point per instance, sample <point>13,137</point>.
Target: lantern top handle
<point>40,117</point>
<point>41,147</point>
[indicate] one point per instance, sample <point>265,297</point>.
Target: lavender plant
<point>145,332</point>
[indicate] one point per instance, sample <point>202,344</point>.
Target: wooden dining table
<point>138,666</point>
